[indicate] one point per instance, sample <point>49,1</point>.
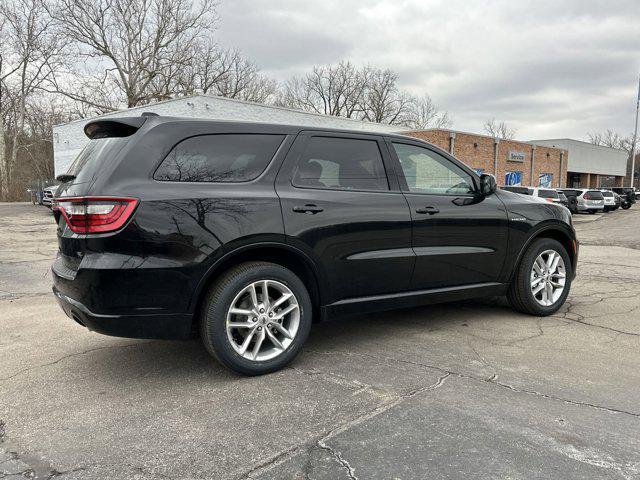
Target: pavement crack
<point>493,381</point>
<point>334,377</point>
<point>340,459</point>
<point>321,442</point>
<point>76,354</point>
<point>56,473</point>
<point>570,315</point>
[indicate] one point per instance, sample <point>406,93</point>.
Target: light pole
<point>635,139</point>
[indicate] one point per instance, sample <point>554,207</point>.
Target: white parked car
<point>547,194</point>
<point>609,200</point>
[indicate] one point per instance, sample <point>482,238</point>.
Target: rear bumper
<point>169,326</point>
<point>590,208</point>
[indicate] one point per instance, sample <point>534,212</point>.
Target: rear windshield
<point>593,195</point>
<point>607,194</point>
<point>93,157</point>
<point>547,194</point>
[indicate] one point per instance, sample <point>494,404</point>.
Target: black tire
<point>626,206</point>
<point>218,301</point>
<point>592,212</point>
<point>520,296</point>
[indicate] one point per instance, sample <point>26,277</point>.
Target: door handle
<point>429,210</point>
<point>309,209</point>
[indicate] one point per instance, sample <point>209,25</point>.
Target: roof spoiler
<point>113,127</point>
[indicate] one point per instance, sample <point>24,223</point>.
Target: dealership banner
<point>545,180</point>
<point>513,178</point>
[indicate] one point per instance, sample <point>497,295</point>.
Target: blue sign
<point>545,180</point>
<point>513,178</point>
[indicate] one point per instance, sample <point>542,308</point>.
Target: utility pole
<point>635,138</point>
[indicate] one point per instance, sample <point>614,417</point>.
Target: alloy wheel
<point>548,277</point>
<point>263,320</point>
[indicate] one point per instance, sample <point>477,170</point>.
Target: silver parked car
<point>590,200</point>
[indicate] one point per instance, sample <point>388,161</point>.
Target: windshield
<point>521,190</point>
<point>93,157</point>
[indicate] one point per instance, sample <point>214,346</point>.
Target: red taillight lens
<point>550,200</point>
<point>95,214</point>
<point>588,197</point>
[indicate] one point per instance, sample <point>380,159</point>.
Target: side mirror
<point>488,184</point>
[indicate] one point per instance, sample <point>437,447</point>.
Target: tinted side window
<point>428,172</point>
<point>219,158</point>
<point>341,164</point>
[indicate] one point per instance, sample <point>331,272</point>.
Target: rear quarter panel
<point>177,233</point>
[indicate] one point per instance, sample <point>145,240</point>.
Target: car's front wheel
<point>257,316</point>
<point>542,280</point>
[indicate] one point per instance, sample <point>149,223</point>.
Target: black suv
<point>247,233</point>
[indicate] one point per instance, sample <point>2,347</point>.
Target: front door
<point>340,206</point>
<point>459,236</point>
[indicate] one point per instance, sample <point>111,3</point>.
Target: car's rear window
<point>542,193</point>
<point>219,158</point>
<point>607,194</point>
<point>593,195</point>
<point>93,157</point>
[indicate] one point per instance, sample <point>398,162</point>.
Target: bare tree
<point>382,102</point>
<point>612,139</point>
<point>336,90</point>
<point>425,114</point>
<point>137,43</point>
<point>223,72</point>
<point>499,130</point>
<point>367,93</point>
<point>33,48</point>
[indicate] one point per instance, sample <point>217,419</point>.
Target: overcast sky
<point>548,68</point>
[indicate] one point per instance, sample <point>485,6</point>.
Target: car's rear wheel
<point>256,318</point>
<point>542,280</point>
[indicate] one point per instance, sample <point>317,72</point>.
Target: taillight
<point>95,214</point>
<point>550,200</point>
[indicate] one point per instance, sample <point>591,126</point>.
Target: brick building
<point>510,161</point>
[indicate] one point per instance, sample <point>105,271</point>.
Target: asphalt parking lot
<point>466,390</point>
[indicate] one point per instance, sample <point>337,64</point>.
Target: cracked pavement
<point>465,390</point>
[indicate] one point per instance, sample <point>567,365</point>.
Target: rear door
<point>459,236</point>
<point>342,207</point>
